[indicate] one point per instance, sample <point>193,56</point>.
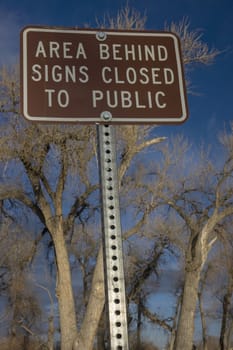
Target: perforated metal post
<point>113,256</point>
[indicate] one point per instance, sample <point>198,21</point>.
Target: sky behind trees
<point>210,104</point>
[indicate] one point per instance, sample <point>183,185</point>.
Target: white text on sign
<point>108,75</point>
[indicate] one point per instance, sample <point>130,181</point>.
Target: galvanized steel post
<point>112,239</point>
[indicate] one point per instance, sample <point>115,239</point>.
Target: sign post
<point>104,78</point>
<point>112,239</point>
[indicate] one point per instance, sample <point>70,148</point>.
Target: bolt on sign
<point>94,76</point>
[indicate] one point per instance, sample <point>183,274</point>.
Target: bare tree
<point>52,171</point>
<point>126,18</point>
<point>22,307</point>
<point>201,200</point>
<point>227,292</point>
<point>195,51</point>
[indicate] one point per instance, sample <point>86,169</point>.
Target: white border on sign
<point>98,119</point>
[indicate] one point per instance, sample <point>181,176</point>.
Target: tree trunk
<point>203,322</point>
<point>225,305</point>
<point>185,330</point>
<point>64,292</point>
<point>51,331</point>
<point>174,328</point>
<point>229,334</point>
<point>139,323</point>
<point>101,333</point>
<point>224,322</point>
<point>85,339</point>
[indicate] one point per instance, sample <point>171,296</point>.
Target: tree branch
<point>80,202</point>
<point>16,194</point>
<point>132,152</point>
<point>155,319</point>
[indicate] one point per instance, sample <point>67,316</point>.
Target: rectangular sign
<point>94,76</point>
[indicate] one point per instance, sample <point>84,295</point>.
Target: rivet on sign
<point>101,36</point>
<point>106,116</point>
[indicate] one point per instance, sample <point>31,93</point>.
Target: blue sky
<point>210,110</point>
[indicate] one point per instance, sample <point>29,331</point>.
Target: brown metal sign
<point>94,76</point>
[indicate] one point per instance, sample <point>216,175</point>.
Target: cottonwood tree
<point>143,274</point>
<point>226,292</point>
<point>216,283</point>
<point>42,176</point>
<point>52,179</point>
<point>22,309</point>
<point>202,286</point>
<point>201,199</point>
<point>208,309</point>
<point>45,169</point>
